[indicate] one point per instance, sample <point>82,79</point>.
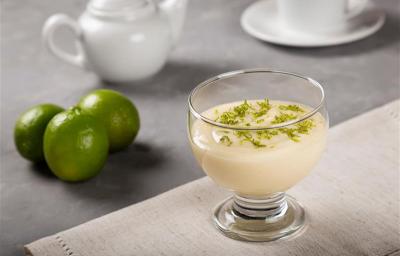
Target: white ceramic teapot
<point>120,40</point>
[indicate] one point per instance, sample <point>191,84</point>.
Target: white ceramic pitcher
<point>120,40</point>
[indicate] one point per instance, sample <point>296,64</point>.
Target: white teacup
<point>317,15</point>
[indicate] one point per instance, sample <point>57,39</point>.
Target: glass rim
<point>249,71</point>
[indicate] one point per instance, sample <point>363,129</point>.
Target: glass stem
<point>270,208</point>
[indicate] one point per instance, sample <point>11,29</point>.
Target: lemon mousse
<point>260,160</point>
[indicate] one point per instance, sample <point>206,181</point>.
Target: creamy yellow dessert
<point>264,161</point>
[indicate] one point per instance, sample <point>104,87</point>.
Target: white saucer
<point>261,21</point>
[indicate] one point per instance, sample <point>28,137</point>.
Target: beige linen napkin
<point>352,198</point>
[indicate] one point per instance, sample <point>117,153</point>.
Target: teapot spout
<point>175,11</point>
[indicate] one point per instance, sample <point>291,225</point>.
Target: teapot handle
<point>50,27</point>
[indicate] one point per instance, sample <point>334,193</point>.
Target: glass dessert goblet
<point>258,133</point>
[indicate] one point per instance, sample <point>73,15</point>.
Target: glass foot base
<point>260,220</point>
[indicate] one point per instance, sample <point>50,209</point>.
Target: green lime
<point>29,130</point>
<point>75,145</point>
<point>118,114</point>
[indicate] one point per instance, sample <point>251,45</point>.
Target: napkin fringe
<point>67,250</point>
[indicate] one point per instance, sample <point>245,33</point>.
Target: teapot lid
<point>125,8</point>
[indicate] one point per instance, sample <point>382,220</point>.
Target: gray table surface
<point>357,77</point>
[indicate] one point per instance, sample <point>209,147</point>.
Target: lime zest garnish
<point>240,134</point>
<point>266,134</point>
<point>264,107</point>
<point>291,133</point>
<point>294,108</point>
<point>301,128</point>
<point>283,117</point>
<point>228,118</point>
<point>238,114</point>
<point>242,109</point>
<point>305,126</point>
<point>264,104</point>
<point>225,140</point>
<point>259,113</point>
<point>248,113</point>
<point>247,137</point>
<point>257,143</point>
